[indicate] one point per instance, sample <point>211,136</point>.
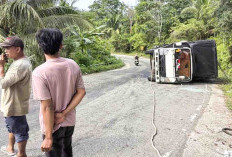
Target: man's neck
<point>19,57</point>
<point>48,57</point>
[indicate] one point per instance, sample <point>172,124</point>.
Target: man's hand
<point>46,146</point>
<point>59,118</point>
<point>2,63</point>
<point>2,60</point>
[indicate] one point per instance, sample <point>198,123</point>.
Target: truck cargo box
<point>204,55</point>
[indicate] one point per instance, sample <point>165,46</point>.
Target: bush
<point>98,68</point>
<point>35,55</point>
<point>138,41</point>
<point>81,59</point>
<point>68,47</point>
<point>98,53</point>
<point>96,58</point>
<point>224,56</point>
<point>191,31</point>
<point>121,42</point>
<point>100,50</point>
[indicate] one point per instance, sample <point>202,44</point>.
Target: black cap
<point>12,41</point>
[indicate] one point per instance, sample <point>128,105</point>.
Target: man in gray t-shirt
<point>16,85</point>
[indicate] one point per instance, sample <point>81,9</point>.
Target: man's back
<point>59,79</point>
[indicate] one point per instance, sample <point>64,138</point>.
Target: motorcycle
<point>136,62</point>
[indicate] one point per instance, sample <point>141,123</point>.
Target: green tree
<point>24,18</point>
<point>224,17</point>
<point>193,30</point>
<point>224,14</point>
<point>171,13</point>
<point>202,21</point>
<point>108,12</point>
<point>148,20</point>
<point>81,39</point>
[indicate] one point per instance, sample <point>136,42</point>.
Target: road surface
<point>116,116</point>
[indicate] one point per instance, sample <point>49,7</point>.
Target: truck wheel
<point>149,78</point>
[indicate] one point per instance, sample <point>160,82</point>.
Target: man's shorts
<point>18,126</point>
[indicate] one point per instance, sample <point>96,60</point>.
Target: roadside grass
<point>227,89</point>
<point>99,68</point>
<point>226,86</point>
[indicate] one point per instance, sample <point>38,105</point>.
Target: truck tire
<point>149,78</point>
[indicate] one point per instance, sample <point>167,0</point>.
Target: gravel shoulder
<point>207,139</point>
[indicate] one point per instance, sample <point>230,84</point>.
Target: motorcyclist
<point>136,59</point>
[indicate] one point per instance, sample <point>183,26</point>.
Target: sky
<point>83,4</point>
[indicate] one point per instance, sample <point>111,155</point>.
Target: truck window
<point>183,63</point>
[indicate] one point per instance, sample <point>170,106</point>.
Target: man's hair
<point>49,40</point>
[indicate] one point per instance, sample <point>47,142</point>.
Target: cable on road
<point>154,110</point>
<point>228,131</point>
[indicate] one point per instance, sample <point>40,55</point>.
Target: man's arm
<point>2,63</point>
<point>2,74</point>
<point>48,119</point>
<point>12,76</point>
<point>60,117</point>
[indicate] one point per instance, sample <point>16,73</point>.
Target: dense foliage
<point>24,18</point>
<point>81,41</point>
<point>110,25</point>
<point>158,22</point>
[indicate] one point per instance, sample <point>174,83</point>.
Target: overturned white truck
<point>184,62</point>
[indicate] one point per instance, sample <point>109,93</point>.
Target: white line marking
<point>193,117</point>
<point>167,154</point>
<point>199,107</point>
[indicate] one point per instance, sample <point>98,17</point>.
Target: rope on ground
<point>228,131</point>
<point>154,110</point>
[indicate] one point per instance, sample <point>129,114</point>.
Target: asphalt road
<point>116,116</point>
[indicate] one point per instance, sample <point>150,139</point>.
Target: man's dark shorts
<point>18,126</point>
<point>62,142</point>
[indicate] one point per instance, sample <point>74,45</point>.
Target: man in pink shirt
<point>59,87</point>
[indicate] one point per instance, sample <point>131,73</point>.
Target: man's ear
<point>61,46</point>
<point>18,49</point>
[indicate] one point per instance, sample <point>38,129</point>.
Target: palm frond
<point>62,21</point>
<point>73,2</point>
<point>59,10</point>
<point>36,4</point>
<point>18,10</point>
<point>71,30</point>
<point>2,2</point>
<point>3,34</point>
<point>189,10</point>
